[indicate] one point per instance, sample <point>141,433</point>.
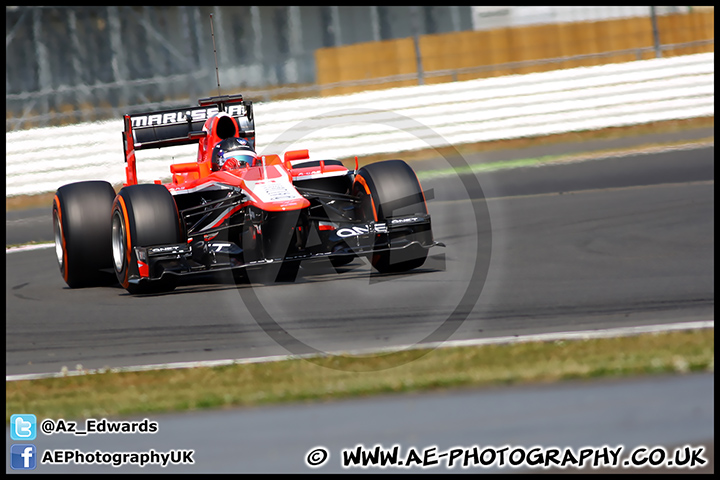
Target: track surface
<point>585,245</point>
<point>614,242</point>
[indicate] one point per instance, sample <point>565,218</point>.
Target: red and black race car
<point>232,209</point>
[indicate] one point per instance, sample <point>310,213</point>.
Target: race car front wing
<point>399,234</point>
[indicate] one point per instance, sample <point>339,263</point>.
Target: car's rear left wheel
<point>81,228</point>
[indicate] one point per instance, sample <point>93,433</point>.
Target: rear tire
<point>81,226</point>
<point>143,216</point>
<point>386,189</point>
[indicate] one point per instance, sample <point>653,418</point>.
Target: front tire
<point>388,189</point>
<point>142,216</point>
<point>81,226</point>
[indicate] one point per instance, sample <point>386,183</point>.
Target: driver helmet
<point>232,153</point>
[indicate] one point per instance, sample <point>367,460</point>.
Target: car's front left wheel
<point>143,216</point>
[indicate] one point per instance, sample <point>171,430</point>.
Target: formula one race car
<point>235,210</point>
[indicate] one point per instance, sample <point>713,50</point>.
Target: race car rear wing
<point>181,126</point>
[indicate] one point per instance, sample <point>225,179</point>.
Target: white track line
<point>25,248</point>
<point>542,337</point>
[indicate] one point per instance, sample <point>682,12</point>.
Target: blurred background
<point>66,65</point>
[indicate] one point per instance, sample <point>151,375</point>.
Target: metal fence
<point>72,64</point>
<point>67,65</point>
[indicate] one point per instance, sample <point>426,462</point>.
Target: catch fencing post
<point>656,34</point>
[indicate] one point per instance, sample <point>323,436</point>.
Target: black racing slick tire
<point>81,226</point>
<point>390,189</point>
<point>143,216</point>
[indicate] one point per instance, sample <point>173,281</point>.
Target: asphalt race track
<point>574,246</point>
<point>594,244</point>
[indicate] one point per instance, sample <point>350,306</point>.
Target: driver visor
<point>243,159</point>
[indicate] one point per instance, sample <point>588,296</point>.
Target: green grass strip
<point>486,167</point>
<point>140,393</point>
